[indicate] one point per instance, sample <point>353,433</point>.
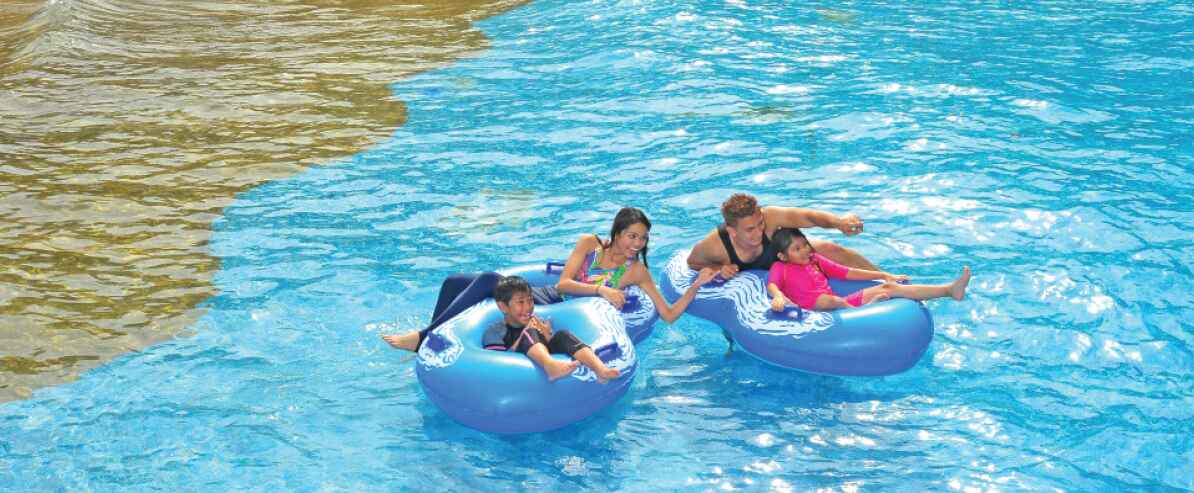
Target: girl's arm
<point>669,313</point>
<point>828,302</point>
<point>778,300</point>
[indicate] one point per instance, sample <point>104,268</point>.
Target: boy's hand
<point>778,303</point>
<point>895,277</point>
<point>543,326</point>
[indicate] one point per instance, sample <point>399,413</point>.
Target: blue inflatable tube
<point>504,391</point>
<point>878,339</point>
<point>638,312</point>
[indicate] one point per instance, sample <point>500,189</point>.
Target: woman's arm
<point>568,283</point>
<point>669,313</point>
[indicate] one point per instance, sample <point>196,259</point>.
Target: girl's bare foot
<point>604,376</point>
<point>557,369</point>
<point>957,289</point>
<point>868,298</point>
<point>408,341</point>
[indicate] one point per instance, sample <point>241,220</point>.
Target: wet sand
<point>126,127</point>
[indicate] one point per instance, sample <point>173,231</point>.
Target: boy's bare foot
<point>604,376</point>
<point>558,369</point>
<point>408,341</point>
<point>957,289</point>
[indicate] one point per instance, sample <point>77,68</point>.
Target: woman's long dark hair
<point>627,217</point>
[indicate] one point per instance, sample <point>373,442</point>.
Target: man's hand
<point>728,271</point>
<point>850,225</point>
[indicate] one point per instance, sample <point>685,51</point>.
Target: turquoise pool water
<point>1046,146</point>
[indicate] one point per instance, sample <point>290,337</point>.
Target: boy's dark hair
<point>508,286</point>
<point>783,238</point>
<point>738,206</point>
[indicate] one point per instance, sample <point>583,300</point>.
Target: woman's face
<point>632,239</point>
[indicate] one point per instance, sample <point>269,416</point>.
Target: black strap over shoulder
<point>762,262</point>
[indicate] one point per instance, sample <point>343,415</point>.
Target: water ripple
<point>1007,138</point>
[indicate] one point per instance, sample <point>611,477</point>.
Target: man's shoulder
<point>710,243</point>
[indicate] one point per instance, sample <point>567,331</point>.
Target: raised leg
<point>555,369</point>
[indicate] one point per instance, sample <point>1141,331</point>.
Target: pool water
<point>1046,146</point>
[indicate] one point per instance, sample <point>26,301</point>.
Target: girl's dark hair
<point>508,286</point>
<point>783,238</point>
<point>627,217</point>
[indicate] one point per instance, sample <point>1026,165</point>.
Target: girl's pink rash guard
<point>804,283</point>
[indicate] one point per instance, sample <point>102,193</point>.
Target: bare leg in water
<point>555,368</point>
<point>955,290</point>
<point>408,341</point>
<point>587,357</point>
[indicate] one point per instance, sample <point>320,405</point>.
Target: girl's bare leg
<point>955,290</point>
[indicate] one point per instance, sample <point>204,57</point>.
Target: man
<point>744,241</point>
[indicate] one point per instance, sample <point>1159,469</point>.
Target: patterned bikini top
<point>591,273</point>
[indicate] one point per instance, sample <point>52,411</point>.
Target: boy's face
<point>519,310</point>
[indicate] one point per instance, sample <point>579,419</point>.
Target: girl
<point>801,276</point>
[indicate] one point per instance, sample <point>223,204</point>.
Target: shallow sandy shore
<point>128,128</point>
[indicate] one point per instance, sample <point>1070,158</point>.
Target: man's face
<point>748,232</point>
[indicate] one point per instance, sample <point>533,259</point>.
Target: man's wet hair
<point>738,206</point>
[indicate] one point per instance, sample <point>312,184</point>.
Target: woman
<point>596,267</point>
<point>605,268</point>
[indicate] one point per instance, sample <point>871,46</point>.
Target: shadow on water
<point>139,121</point>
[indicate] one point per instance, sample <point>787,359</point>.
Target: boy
<point>519,330</point>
